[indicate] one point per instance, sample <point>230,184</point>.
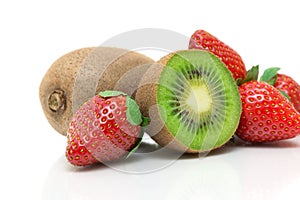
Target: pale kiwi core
<point>199,100</point>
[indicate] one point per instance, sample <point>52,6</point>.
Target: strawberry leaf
<point>111,93</point>
<point>270,75</point>
<point>133,113</point>
<point>145,121</point>
<point>137,144</point>
<point>232,140</point>
<point>239,81</point>
<point>252,75</point>
<point>285,94</point>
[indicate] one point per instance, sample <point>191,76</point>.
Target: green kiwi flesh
<point>198,100</point>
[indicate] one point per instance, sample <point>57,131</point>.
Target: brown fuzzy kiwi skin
<point>146,98</point>
<point>60,77</point>
<point>120,69</point>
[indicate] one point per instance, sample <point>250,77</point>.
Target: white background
<point>33,34</point>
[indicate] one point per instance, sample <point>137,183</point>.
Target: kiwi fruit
<point>77,76</point>
<point>192,101</point>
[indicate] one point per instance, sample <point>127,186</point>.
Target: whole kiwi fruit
<point>77,76</point>
<point>192,101</point>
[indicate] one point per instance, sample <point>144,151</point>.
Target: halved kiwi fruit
<point>80,74</point>
<point>192,101</point>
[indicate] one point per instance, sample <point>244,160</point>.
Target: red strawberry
<point>290,87</point>
<point>204,40</point>
<point>104,129</point>
<point>267,115</point>
<point>76,152</point>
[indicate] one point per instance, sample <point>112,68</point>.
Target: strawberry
<point>204,40</point>
<point>76,152</point>
<point>290,87</point>
<point>267,115</point>
<point>104,129</point>
<point>285,84</point>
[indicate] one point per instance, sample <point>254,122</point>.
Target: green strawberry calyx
<point>252,75</point>
<point>133,113</point>
<point>111,93</point>
<point>133,116</point>
<point>137,144</point>
<point>269,76</point>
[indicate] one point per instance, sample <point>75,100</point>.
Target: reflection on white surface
<point>236,171</point>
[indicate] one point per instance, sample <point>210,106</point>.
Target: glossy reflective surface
<point>236,171</point>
